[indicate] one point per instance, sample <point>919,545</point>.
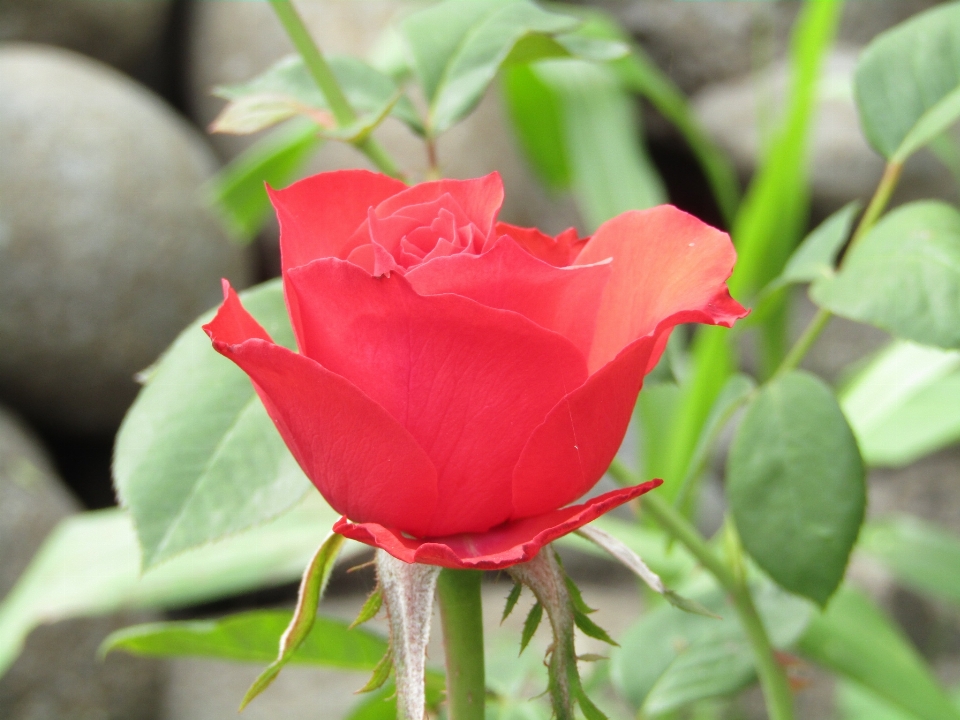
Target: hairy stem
<point>776,688</point>
<point>878,202</point>
<point>461,615</point>
<point>321,73</point>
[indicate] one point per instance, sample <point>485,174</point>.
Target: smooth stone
<point>107,249</point>
<point>842,165</point>
<point>118,33</point>
<point>58,676</point>
<point>702,43</point>
<point>232,42</point>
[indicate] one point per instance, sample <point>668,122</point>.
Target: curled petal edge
<point>513,542</point>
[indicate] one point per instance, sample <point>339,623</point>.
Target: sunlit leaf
<point>903,276</point>
<point>905,403</point>
<point>907,82</point>
<point>197,457</point>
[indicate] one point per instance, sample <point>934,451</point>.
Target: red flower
<point>461,381</point>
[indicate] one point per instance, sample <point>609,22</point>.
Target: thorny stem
<point>878,202</point>
<point>458,592</point>
<point>776,687</point>
<point>320,71</point>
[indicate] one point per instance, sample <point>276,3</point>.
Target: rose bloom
<point>461,381</point>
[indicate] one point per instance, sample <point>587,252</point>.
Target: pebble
<point>107,249</point>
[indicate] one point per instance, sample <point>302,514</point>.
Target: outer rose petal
<point>319,214</point>
<point>574,446</point>
<point>664,262</point>
<point>362,461</point>
<point>564,300</point>
<point>470,383</point>
<point>559,251</point>
<point>513,542</point>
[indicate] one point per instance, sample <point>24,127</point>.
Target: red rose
<point>461,381</point>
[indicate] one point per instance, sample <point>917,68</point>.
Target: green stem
<point>461,616</point>
<point>878,202</point>
<point>321,73</point>
<point>776,688</point>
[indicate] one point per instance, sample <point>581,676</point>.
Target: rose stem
<point>776,687</point>
<point>816,326</point>
<point>462,620</point>
<point>327,82</point>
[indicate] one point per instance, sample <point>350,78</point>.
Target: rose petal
<point>559,251</point>
<point>362,460</point>
<point>318,214</point>
<point>479,198</point>
<point>513,542</point>
<point>469,382</point>
<point>564,300</point>
<point>571,450</point>
<point>664,262</point>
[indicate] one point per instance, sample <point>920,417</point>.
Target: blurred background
<point>109,246</point>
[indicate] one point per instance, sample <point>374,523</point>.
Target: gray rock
<point>701,43</point>
<point>231,42</point>
<point>57,677</point>
<point>107,249</point>
<point>119,33</point>
<point>842,165</point>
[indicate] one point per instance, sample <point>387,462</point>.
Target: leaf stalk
<point>321,73</point>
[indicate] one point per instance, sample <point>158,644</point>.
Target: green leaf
<point>512,599</point>
<point>905,403</point>
<point>907,82</point>
<point>589,628</point>
<point>795,483</point>
<point>854,702</point>
<point>920,555</point>
<point>381,673</point>
<point>903,276</point>
<point>816,256</point>
<point>602,157</point>
<point>458,46</point>
<point>197,457</point>
<point>590,711</point>
<point>312,586</point>
<point>670,659</point>
<point>238,191</point>
<point>287,89</point>
<point>854,640</point>
<point>530,625</point>
<point>371,607</point>
<point>382,704</point>
<point>251,637</point>
<point>90,565</point>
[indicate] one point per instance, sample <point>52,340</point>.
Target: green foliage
<point>252,637</point>
<point>907,83</point>
<point>903,276</point>
<point>904,403</point>
<point>286,89</point>
<point>370,608</point>
<point>920,555</point>
<point>90,565</point>
<point>458,46</point>
<point>512,599</point>
<point>312,586</point>
<point>816,256</point>
<point>795,483</point>
<point>530,625</point>
<point>197,458</point>
<point>854,640</point>
<point>670,659</point>
<point>238,191</point>
<point>580,130</point>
